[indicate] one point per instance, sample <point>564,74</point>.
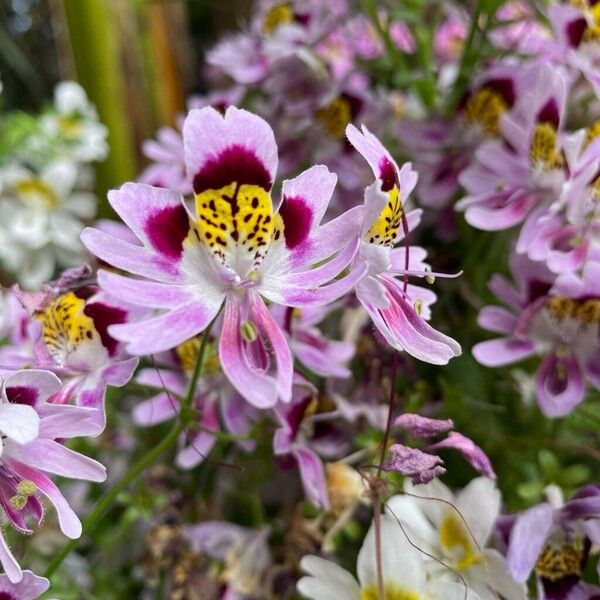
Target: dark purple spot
<point>574,31</point>
<point>7,596</point>
<point>235,163</point>
<point>297,219</point>
<point>21,394</point>
<point>387,174</point>
<point>504,87</point>
<point>167,229</point>
<point>549,113</point>
<point>355,103</point>
<point>536,289</point>
<point>86,291</point>
<point>104,315</point>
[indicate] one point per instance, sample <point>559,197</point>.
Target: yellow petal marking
<point>384,230</point>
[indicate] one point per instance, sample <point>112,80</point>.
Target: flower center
<point>237,224</point>
<point>456,542</point>
<point>485,108</point>
<point>392,592</point>
<point>38,193</point>
<point>65,326</point>
<point>70,126</point>
<point>560,560</point>
<point>335,116</point>
<point>584,311</point>
<point>384,230</point>
<point>280,14</point>
<point>543,151</point>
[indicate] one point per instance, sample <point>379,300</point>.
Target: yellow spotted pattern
<point>556,562</point>
<point>280,14</point>
<point>237,217</point>
<point>543,148</point>
<point>335,117</point>
<point>64,326</point>
<point>384,230</point>
<point>485,108</point>
<point>585,311</point>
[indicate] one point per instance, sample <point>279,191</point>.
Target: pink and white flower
<point>233,249</point>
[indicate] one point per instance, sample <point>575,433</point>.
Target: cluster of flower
<point>232,301</point>
<point>524,147</point>
<point>45,185</point>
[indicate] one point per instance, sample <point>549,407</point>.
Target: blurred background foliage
<point>137,59</point>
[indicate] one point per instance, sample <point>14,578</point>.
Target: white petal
<point>401,563</point>
<point>328,582</point>
<point>479,504</point>
<point>19,422</point>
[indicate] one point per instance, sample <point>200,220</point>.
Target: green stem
<point>186,414</point>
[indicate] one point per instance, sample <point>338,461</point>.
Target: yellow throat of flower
<point>456,542</point>
<point>335,117</point>
<point>561,560</point>
<point>543,151</point>
<point>485,108</point>
<point>38,193</point>
<point>280,14</point>
<point>187,355</point>
<point>392,592</point>
<point>586,312</point>
<point>384,230</point>
<point>65,326</point>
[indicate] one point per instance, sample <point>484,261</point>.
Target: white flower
<point>75,122</point>
<point>40,220</point>
<point>406,575</point>
<point>455,529</point>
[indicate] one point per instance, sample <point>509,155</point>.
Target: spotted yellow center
<point>65,326</point>
<point>280,14</point>
<point>456,541</point>
<point>391,592</point>
<point>560,560</point>
<point>586,312</point>
<point>335,117</point>
<point>384,230</point>
<point>237,223</point>
<point>543,151</point>
<point>187,355</point>
<point>485,108</point>
<point>37,192</point>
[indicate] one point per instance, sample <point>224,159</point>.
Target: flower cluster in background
<point>46,184</point>
<point>278,350</point>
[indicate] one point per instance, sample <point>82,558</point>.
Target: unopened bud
<point>418,306</point>
<point>248,331</point>
<point>430,279</point>
<point>18,502</point>
<point>26,487</point>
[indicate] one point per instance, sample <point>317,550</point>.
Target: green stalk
<point>186,415</point>
<point>94,35</point>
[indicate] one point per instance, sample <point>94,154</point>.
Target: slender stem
<point>377,526</point>
<point>388,426</point>
<point>377,489</point>
<point>185,416</point>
